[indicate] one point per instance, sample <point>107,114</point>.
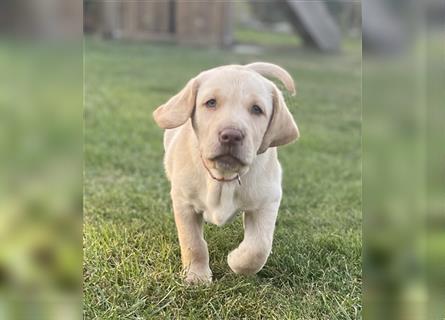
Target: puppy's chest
<point>221,202</point>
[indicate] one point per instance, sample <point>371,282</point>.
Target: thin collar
<point>237,177</point>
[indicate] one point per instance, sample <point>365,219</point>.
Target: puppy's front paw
<point>245,260</point>
<point>198,275</point>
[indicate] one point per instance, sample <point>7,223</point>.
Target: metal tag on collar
<point>238,178</point>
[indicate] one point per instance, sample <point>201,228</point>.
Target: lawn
<point>131,254</point>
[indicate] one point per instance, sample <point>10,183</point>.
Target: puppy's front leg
<point>194,253</point>
<point>251,255</point>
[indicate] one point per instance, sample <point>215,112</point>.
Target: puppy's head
<point>236,114</point>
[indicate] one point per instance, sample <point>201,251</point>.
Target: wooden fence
<point>185,22</point>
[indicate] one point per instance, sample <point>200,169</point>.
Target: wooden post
<point>130,19</point>
<point>111,26</point>
<point>204,23</point>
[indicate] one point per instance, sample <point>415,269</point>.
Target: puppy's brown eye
<point>256,109</point>
<point>211,103</point>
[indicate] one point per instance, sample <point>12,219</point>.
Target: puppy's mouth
<point>227,162</point>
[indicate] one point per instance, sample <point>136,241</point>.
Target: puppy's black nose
<point>230,136</point>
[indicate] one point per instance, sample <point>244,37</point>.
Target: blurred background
<point>41,107</point>
<point>403,160</point>
<point>318,25</point>
<point>41,97</point>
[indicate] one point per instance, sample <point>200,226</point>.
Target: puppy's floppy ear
<point>272,70</point>
<point>282,128</point>
<point>179,108</point>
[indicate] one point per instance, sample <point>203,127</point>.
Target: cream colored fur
<point>191,159</point>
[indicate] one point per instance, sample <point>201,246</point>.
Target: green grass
<point>266,38</point>
<point>279,41</point>
<point>132,260</point>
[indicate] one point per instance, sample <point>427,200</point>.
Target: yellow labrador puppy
<point>220,157</point>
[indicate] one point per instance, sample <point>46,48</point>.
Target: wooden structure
<point>312,20</point>
<point>185,22</point>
